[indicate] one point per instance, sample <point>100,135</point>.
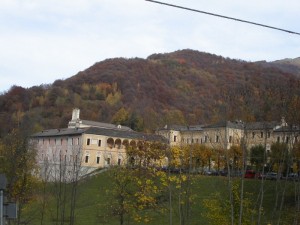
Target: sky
<point>45,40</point>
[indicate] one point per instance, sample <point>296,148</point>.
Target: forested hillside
<point>183,87</point>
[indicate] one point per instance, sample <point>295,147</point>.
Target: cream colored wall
<point>169,135</point>
<point>104,151</point>
<point>191,137</point>
<point>260,137</point>
<point>222,137</point>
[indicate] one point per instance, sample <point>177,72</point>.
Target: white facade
<point>83,147</point>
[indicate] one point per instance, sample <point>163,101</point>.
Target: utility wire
<point>224,17</point>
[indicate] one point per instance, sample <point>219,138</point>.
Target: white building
<point>84,146</point>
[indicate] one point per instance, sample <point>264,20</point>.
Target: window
<point>86,159</point>
<point>61,141</point>
<point>131,161</point>
<point>253,134</point>
<point>119,162</point>
<point>261,134</point>
<point>108,161</point>
<point>205,138</point>
<point>99,143</point>
<point>287,139</point>
<point>88,141</point>
<point>217,138</point>
<point>175,138</point>
<point>278,139</point>
<point>230,139</point>
<point>197,140</point>
<point>98,159</point>
<point>296,139</point>
<point>269,134</point>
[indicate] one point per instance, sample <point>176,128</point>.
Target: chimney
<point>75,114</point>
<point>283,122</point>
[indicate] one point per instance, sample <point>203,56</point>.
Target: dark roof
<point>287,129</point>
<point>90,123</point>
<point>236,125</point>
<point>100,131</point>
<point>183,127</point>
<point>60,132</point>
<point>261,125</point>
<point>124,134</point>
<point>105,125</point>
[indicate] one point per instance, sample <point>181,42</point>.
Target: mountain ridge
<point>181,87</point>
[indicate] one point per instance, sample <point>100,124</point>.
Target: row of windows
<point>261,134</point>
<point>74,158</point>
<point>93,142</point>
<point>286,139</point>
<point>217,137</point>
<point>87,159</point>
<point>60,158</point>
<point>206,140</point>
<point>57,141</point>
<point>111,143</point>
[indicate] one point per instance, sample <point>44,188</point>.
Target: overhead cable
<point>224,17</point>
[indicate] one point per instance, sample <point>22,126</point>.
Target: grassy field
<point>92,206</point>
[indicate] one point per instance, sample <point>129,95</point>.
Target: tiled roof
<point>105,125</point>
<point>116,133</point>
<point>59,132</point>
<point>124,134</point>
<point>261,125</point>
<point>183,128</point>
<point>287,129</point>
<point>228,124</point>
<point>236,125</point>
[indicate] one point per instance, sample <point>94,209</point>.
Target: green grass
<point>93,201</point>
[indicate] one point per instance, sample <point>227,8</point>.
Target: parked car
<point>271,176</point>
<point>210,172</point>
<point>250,174</point>
<point>293,176</point>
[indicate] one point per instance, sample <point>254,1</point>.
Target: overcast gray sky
<point>45,40</point>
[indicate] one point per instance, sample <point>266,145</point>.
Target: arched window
<point>125,142</point>
<point>118,143</point>
<point>133,143</point>
<point>110,142</point>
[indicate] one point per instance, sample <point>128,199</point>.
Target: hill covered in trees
<point>182,87</point>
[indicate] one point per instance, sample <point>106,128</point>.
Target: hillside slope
<point>182,87</point>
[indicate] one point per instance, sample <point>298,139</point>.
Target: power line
<point>224,17</point>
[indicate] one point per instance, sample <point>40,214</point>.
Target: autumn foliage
<point>182,87</point>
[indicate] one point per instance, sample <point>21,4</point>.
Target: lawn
<point>93,202</point>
